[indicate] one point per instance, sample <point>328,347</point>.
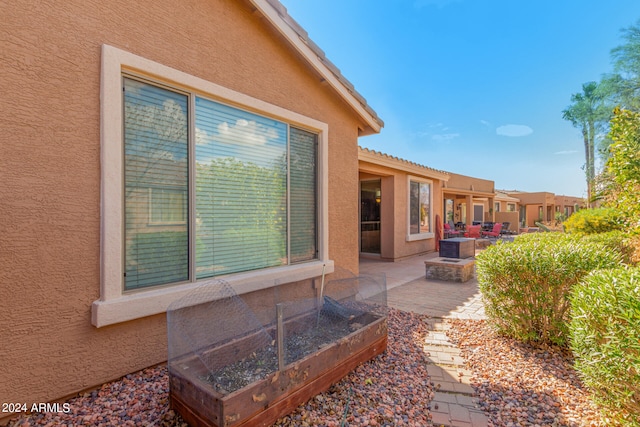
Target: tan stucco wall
<point>569,201</point>
<point>533,214</point>
<point>394,210</point>
<point>50,169</point>
<point>469,183</point>
<point>535,198</point>
<point>510,217</point>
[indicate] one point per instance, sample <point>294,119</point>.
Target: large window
<point>420,208</point>
<point>198,182</point>
<point>254,200</point>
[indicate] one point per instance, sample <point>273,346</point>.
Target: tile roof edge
<point>303,36</point>
<point>398,159</point>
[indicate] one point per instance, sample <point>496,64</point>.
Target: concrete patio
<point>409,290</point>
<point>455,403</point>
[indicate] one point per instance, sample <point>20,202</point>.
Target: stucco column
<point>492,209</point>
<point>469,202</point>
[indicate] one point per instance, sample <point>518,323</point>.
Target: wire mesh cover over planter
<point>236,361</point>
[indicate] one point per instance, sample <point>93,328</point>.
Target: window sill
<point>135,305</point>
<point>421,236</point>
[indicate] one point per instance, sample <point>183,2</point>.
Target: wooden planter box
<point>262,402</point>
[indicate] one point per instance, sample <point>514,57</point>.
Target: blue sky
<point>475,87</point>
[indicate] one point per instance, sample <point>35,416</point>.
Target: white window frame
<point>115,305</point>
<point>420,236</point>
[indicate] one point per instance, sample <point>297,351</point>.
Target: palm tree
<point>589,112</point>
<point>624,85</point>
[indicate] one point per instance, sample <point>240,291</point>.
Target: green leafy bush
<point>589,221</point>
<point>605,339</point>
<point>615,240</point>
<point>526,284</point>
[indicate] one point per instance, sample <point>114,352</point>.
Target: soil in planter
<point>325,330</point>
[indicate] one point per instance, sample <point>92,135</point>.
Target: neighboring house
<point>148,147</point>
<point>399,201</point>
<point>507,210</point>
<point>568,205</point>
<point>468,199</point>
<point>542,206</point>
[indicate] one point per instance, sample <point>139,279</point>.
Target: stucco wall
<point>394,209</point>
<point>50,169</point>
<point>469,183</point>
<point>510,217</point>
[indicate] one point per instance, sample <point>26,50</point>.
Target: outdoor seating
<point>505,228</point>
<point>449,232</point>
<point>495,231</point>
<point>473,232</point>
<point>487,226</point>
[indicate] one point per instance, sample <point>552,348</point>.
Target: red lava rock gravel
<point>391,390</point>
<point>520,384</point>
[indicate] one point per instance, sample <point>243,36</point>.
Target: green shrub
<point>589,221</point>
<point>526,284</point>
<point>614,240</point>
<point>605,339</point>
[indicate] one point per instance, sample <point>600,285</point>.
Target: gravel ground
<point>523,385</point>
<point>393,389</point>
<point>518,386</point>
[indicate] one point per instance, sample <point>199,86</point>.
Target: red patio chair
<point>448,231</point>
<point>473,231</point>
<point>495,232</point>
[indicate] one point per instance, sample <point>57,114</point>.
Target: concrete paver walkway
<point>454,404</point>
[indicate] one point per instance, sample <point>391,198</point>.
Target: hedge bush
<point>526,284</point>
<point>605,339</point>
<point>589,221</point>
<point>617,241</point>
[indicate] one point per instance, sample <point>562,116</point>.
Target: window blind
<point>303,195</point>
<point>156,185</point>
<point>241,190</point>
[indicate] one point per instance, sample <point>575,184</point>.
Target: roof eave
<point>385,160</point>
<point>276,14</point>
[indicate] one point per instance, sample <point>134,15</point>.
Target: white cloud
<point>485,123</point>
<point>244,139</point>
<point>202,137</point>
<point>245,133</point>
<point>566,152</point>
<point>514,130</point>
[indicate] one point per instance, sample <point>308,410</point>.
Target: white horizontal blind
<point>241,190</point>
<point>303,195</point>
<point>156,185</point>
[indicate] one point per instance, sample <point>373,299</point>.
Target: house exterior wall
<point>510,217</point>
<point>50,169</point>
<point>533,214</point>
<point>504,205</point>
<point>395,205</point>
<point>469,183</point>
<point>537,198</point>
<point>567,204</point>
<point>467,192</point>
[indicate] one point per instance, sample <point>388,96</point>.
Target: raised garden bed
<point>258,373</point>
